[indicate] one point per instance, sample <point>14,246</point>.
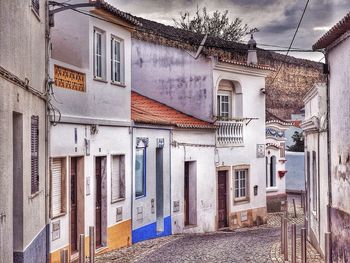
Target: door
<point>222,199</point>
<point>98,214</point>
<point>73,205</point>
<point>187,194</point>
<point>159,190</point>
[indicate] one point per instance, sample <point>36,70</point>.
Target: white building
<point>90,136</point>
<point>176,152</point>
<point>336,44</point>
<point>23,155</point>
<point>316,168</point>
<point>276,165</point>
<point>216,89</point>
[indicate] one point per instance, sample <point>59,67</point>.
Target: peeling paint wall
<point>339,61</point>
<point>172,76</point>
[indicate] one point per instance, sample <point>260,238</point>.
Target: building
<point>174,158</point>
<point>276,165</point>
<point>215,88</point>
<point>90,131</point>
<point>336,44</point>
<point>23,165</point>
<point>316,172</point>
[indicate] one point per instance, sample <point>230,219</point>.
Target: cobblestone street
<point>258,244</point>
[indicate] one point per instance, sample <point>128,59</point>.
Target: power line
<point>291,43</point>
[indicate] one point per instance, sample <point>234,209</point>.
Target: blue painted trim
<point>150,231</point>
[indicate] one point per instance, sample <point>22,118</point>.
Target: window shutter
<point>34,154</point>
<point>115,177</point>
<point>56,187</point>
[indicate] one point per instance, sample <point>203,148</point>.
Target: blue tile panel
<point>150,231</point>
<point>37,251</point>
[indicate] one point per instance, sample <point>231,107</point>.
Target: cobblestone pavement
<point>257,244</point>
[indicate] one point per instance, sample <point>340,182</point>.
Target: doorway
<point>76,201</point>
<point>159,190</point>
<point>17,134</point>
<point>101,201</point>
<point>222,199</point>
<point>190,193</point>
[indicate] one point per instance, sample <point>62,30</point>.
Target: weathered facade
<point>23,211</point>
<point>336,43</point>
<point>316,172</point>
<point>90,135</point>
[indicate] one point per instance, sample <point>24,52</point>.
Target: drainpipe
<point>329,160</point>
<point>132,176</point>
<point>170,196</point>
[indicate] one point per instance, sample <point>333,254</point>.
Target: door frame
<point>80,198</point>
<point>228,170</point>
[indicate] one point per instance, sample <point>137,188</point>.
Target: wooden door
<point>73,206</point>
<point>186,195</point>
<point>222,199</point>
<point>98,214</point>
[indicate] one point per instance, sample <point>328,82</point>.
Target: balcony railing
<point>230,132</point>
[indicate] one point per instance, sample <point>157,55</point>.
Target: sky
<point>277,20</point>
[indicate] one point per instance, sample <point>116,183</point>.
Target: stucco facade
<point>23,212</point>
<point>91,132</point>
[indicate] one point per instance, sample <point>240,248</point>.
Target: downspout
<point>170,194</point>
<point>47,129</point>
<point>329,160</point>
<point>132,176</point>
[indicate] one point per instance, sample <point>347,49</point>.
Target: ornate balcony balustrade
<point>230,132</point>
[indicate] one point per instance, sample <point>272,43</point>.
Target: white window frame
<point>62,187</point>
<point>221,94</point>
<point>241,170</point>
<point>115,61</point>
<point>144,172</point>
<point>315,193</point>
<point>99,55</point>
<point>118,184</point>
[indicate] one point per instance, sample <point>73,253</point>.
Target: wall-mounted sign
<point>139,213</point>
<point>260,150</point>
<point>88,183</point>
<point>176,206</point>
<point>244,216</point>
<point>119,214</point>
<point>160,142</point>
<point>56,230</point>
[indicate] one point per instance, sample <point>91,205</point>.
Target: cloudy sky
<point>276,19</point>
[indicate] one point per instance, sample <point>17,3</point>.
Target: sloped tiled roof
<point>148,111</point>
<point>334,33</point>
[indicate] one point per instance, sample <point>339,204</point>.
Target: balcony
<point>230,132</point>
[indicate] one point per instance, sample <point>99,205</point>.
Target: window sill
<point>139,197</point>
<point>241,201</point>
<point>100,80</point>
<point>32,196</point>
<point>119,84</point>
<point>58,216</point>
<point>118,200</point>
<point>271,189</point>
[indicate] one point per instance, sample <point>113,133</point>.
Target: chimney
<point>252,56</point>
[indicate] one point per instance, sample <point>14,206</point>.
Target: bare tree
<point>217,25</point>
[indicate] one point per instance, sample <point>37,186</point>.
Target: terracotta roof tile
<point>335,32</point>
<point>148,111</point>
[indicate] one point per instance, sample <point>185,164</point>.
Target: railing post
<point>64,256</point>
<point>82,248</point>
<point>282,234</point>
<point>92,244</point>
<point>303,245</point>
<point>294,243</point>
<point>328,247</point>
<point>285,223</point>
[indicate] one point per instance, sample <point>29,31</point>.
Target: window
<point>224,105</point>
<point>241,183</point>
<point>272,174</point>
<point>116,60</point>
<point>34,154</point>
<point>118,178</point>
<point>99,54</point>
<point>314,182</point>
<point>36,6</point>
<point>140,172</point>
<point>58,186</point>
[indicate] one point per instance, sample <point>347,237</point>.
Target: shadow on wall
<point>295,178</point>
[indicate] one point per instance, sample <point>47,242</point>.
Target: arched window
<point>229,102</point>
<point>272,174</point>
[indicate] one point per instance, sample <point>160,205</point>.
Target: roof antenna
<point>199,48</point>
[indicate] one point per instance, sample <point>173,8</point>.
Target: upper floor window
<point>36,6</point>
<point>224,104</point>
<point>99,54</point>
<point>117,60</point>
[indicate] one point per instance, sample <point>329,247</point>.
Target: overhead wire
<point>291,43</point>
